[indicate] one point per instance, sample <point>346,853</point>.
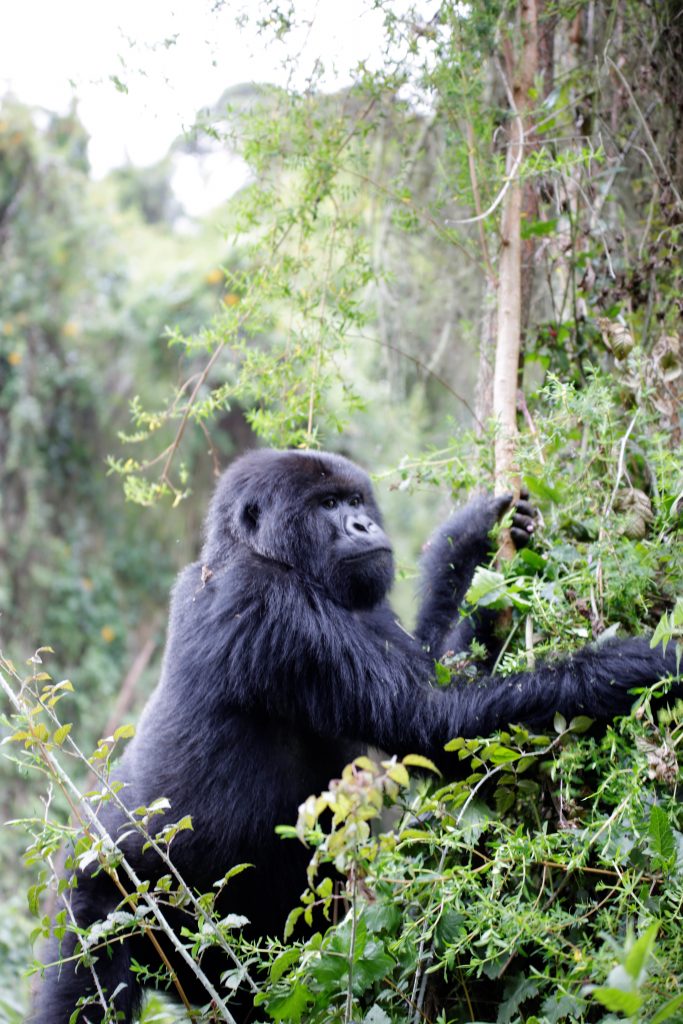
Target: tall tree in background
<point>521,69</point>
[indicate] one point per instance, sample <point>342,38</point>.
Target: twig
<point>188,410</point>
<point>352,944</point>
<point>422,366</point>
<point>123,702</point>
<point>512,175</point>
<point>620,464</point>
<point>477,200</point>
<point>507,181</point>
<point>524,408</point>
<point>319,347</point>
<point>71,791</point>
<point>422,960</point>
<point>646,129</point>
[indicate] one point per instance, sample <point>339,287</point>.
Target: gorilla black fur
<point>284,661</point>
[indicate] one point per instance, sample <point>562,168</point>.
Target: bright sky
<point>51,50</point>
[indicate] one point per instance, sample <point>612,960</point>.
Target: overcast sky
<point>51,51</point>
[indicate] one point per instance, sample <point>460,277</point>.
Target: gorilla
<point>284,661</point>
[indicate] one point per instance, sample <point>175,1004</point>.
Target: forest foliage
<point>349,297</point>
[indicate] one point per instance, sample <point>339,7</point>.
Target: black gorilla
<point>284,660</point>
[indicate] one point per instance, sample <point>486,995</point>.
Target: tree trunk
<point>508,341</point>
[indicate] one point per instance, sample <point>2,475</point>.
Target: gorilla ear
<point>250,516</point>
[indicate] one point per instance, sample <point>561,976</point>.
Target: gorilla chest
<point>287,763</point>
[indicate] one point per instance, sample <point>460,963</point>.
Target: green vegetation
<point>349,298</point>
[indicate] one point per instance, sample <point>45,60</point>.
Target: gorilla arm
<point>448,564</point>
<point>292,653</point>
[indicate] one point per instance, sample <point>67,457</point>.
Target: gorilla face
<point>360,557</point>
<point>315,513</point>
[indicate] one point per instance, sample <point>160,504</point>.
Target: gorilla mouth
<point>360,555</point>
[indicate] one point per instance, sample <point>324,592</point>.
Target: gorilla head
<point>313,512</point>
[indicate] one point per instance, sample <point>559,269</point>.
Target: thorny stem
<point>91,966</point>
<point>154,845</point>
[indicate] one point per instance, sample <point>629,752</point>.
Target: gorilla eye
<point>355,501</point>
<point>329,503</point>
<point>250,516</point>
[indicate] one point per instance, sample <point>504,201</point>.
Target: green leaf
<point>543,489</point>
<point>640,952</point>
<point>449,927</point>
<point>556,1008</point>
<point>522,989</point>
<point>374,965</point>
<point>532,559</point>
<point>505,798</point>
<point>661,834</point>
<point>330,969</point>
<point>564,553</point>
<point>399,774</point>
<point>285,960</point>
<point>33,895</point>
<point>382,917</point>
<point>442,674</point>
<point>291,1006</point>
<point>124,732</point>
<point>614,999</point>
<point>663,631</point>
<point>559,723</point>
<point>666,1011</point>
<point>418,761</point>
<point>236,870</point>
<point>580,723</point>
<point>488,589</point>
<point>292,918</point>
<point>496,753</point>
<point>118,84</point>
<point>419,835</point>
<point>325,888</point>
<point>61,734</point>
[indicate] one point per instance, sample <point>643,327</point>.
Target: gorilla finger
<point>501,503</point>
<point>525,508</point>
<point>523,522</point>
<point>520,537</point>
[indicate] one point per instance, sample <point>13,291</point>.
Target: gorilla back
<point>284,661</point>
